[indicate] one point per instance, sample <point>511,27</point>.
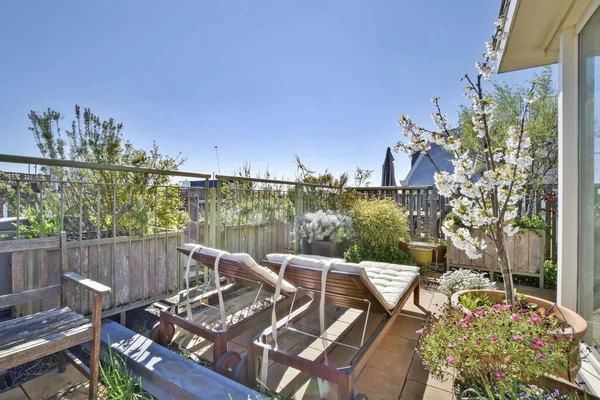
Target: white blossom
<point>464,279</point>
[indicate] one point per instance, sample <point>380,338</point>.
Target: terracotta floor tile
<point>398,345</point>
<point>390,363</point>
<point>437,302</point>
<point>375,383</point>
<point>418,373</point>
<point>406,327</point>
<point>416,391</point>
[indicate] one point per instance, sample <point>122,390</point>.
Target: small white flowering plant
<point>488,180</point>
<point>463,279</point>
<point>323,226</point>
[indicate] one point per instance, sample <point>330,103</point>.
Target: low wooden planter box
<point>526,251</point>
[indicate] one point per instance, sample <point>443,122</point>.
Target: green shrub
<point>471,301</point>
<point>532,222</point>
<point>393,254</point>
<point>493,346</point>
<point>379,224</point>
<point>32,228</point>
<point>550,273</point>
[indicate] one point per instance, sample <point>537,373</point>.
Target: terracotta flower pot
<point>403,245</point>
<point>577,322</point>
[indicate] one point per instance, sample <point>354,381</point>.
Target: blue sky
<point>263,80</point>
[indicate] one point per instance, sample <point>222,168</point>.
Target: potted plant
<point>323,233</point>
<point>463,279</point>
<point>493,346</point>
<point>422,252</point>
<point>574,327</point>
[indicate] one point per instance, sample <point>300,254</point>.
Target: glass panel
<point>589,176</point>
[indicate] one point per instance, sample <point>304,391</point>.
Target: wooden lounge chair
<point>241,270</point>
<point>371,287</point>
<point>54,330</point>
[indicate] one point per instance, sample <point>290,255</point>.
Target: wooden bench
<point>53,330</point>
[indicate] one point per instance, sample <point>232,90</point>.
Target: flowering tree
<point>486,186</point>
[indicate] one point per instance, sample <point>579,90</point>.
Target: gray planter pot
<point>325,249</point>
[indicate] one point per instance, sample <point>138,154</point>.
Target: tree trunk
<point>506,269</point>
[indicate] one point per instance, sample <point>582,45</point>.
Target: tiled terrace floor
<point>71,385</point>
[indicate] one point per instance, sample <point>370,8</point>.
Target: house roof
<point>534,30</point>
<point>422,170</point>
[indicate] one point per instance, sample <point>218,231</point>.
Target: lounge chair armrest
<point>89,284</point>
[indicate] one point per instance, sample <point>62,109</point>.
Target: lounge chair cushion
<point>301,260</point>
<point>390,280</point>
<point>247,261</point>
<point>387,282</point>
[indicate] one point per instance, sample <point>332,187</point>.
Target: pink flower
<point>507,306</point>
<point>533,320</point>
<point>494,338</point>
<point>539,342</point>
<point>515,318</point>
<point>536,347</point>
<point>451,345</point>
<point>420,331</point>
<point>500,374</point>
<point>451,359</point>
<point>554,336</point>
<point>478,341</point>
<point>497,305</point>
<point>517,337</point>
<point>540,357</point>
<point>485,326</point>
<point>469,317</point>
<point>466,325</point>
<point>479,311</point>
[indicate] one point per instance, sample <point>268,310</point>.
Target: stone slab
<point>14,394</point>
<point>50,384</point>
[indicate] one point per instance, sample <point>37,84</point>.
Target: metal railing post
<point>299,212</point>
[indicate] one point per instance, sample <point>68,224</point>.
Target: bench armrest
<point>89,284</point>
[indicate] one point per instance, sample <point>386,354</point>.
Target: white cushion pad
<point>249,263</point>
<point>388,282</point>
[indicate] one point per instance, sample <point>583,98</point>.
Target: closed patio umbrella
<point>388,177</point>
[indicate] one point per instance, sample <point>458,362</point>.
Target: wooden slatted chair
<point>53,330</point>
<point>383,290</point>
<point>242,271</point>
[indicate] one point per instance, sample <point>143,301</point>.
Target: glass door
<point>589,176</point>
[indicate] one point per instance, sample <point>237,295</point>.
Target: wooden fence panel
<point>138,271</point>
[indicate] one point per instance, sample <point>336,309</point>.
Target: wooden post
<point>62,359</point>
<point>251,372</point>
<point>64,266</point>
<point>433,213</point>
<point>95,345</point>
<point>345,386</point>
